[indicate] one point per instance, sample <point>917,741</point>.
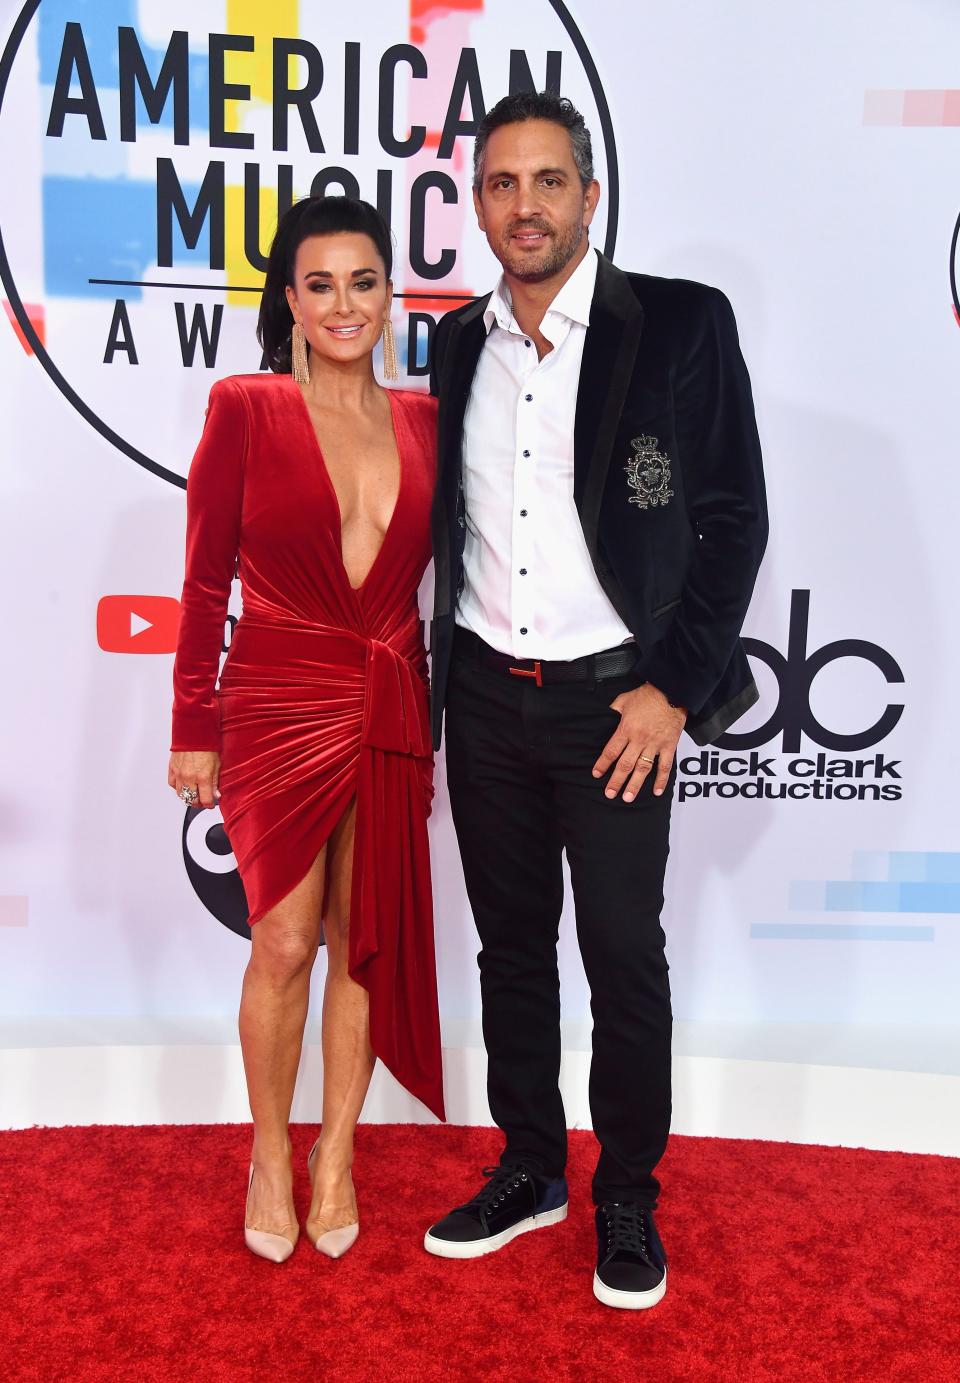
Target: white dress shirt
<point>530,589</point>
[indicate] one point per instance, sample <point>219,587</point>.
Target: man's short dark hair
<point>536,105</point>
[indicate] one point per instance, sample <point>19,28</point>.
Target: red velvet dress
<point>323,696</point>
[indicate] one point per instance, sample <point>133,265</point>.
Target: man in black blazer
<point>598,524</point>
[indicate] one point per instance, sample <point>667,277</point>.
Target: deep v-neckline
<point>333,489</point>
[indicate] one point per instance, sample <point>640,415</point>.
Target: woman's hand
<point>198,769</point>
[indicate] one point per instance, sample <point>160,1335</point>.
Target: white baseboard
<point>176,1083</point>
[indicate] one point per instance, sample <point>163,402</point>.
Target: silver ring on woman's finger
<point>647,759</point>
<point>188,795</point>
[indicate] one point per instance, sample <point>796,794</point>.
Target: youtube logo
<point>138,623</point>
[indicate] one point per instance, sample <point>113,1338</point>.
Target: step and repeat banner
<point>806,160</point>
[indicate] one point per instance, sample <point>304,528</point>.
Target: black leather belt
<point>595,667</point>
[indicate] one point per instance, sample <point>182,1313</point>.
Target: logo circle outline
<point>7,59</point>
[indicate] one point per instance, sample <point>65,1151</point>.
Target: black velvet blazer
<point>668,483</point>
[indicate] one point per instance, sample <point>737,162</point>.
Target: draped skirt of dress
<point>313,717</point>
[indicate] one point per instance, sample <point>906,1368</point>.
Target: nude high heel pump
<point>275,1247</point>
<point>335,1242</point>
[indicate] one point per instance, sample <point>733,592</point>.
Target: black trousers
<point>519,761</point>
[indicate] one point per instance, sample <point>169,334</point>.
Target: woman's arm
<point>214,499</point>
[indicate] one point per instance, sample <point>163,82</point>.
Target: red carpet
<point>123,1259</point>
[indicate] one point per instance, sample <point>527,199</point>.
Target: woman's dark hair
<point>311,216</point>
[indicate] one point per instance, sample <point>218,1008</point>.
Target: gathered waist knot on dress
<point>395,707</point>
<point>395,696</point>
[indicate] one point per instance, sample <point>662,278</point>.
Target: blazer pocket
<point>665,609</point>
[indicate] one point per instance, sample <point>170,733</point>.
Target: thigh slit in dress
<point>323,695</point>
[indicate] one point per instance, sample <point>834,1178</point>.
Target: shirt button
<point>523,571</point>
<point>523,513</point>
<point>526,453</point>
<point>529,398</point>
<point>523,631</point>
<point>527,343</point>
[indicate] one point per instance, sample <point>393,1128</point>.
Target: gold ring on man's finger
<point>647,759</point>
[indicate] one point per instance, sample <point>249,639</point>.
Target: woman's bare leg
<point>348,1059</point>
<point>273,1010</point>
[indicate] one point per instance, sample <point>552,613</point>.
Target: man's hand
<point>198,769</point>
<point>648,733</point>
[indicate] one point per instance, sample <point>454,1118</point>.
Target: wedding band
<point>646,759</point>
<point>188,795</point>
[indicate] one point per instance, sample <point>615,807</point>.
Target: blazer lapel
<point>459,366</point>
<point>609,356</point>
<point>467,336</point>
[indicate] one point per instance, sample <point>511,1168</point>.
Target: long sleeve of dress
<point>214,501</point>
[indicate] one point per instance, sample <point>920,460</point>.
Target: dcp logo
<point>795,672</point>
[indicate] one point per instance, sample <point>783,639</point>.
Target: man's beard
<point>556,254</point>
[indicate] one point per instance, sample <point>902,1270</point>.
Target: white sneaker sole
<point>629,1301</point>
<point>448,1248</point>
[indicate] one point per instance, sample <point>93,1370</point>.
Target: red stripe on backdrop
<point>35,313</point>
<point>421,300</point>
<point>425,12</point>
<point>123,1258</point>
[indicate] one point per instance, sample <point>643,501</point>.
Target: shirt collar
<point>573,301</point>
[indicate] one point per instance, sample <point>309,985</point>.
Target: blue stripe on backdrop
<point>99,24</point>
<point>941,867</point>
<point>75,210</point>
<point>837,931</point>
<point>899,881</point>
<point>843,895</point>
<point>914,866</point>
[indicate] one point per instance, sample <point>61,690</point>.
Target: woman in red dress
<point>313,485</point>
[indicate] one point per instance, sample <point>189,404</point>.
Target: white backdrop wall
<point>803,160</point>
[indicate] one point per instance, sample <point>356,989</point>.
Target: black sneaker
<point>513,1201</point>
<point>631,1264</point>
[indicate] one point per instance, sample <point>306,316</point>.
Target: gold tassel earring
<point>390,368</point>
<point>298,354</point>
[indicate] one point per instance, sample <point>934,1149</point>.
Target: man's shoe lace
<point>502,1183</point>
<point>626,1230</point>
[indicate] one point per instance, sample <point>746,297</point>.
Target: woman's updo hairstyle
<point>311,216</point>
